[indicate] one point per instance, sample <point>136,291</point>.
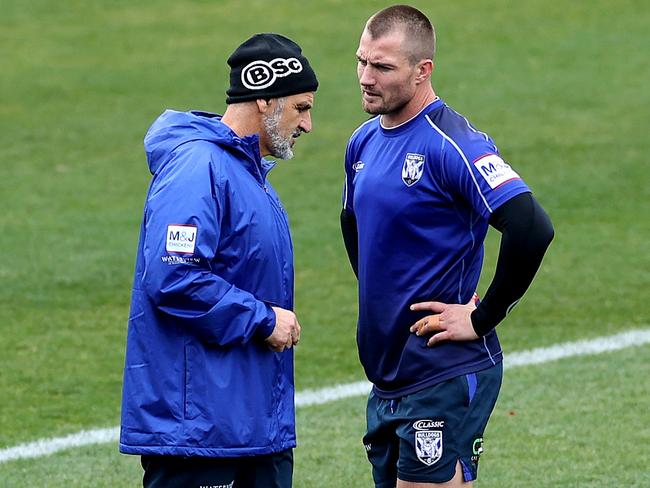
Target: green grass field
<point>561,86</point>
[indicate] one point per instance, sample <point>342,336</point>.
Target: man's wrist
<point>267,325</point>
<point>481,321</point>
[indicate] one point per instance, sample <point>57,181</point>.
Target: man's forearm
<point>350,239</point>
<point>526,234</point>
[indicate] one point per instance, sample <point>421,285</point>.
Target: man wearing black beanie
<point>208,396</point>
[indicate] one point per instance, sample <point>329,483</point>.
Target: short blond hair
<point>420,37</point>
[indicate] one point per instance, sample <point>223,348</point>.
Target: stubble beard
<point>279,145</point>
<point>384,108</point>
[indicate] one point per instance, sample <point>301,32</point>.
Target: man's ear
<point>263,104</point>
<point>424,70</point>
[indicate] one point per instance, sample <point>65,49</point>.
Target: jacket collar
<point>249,147</point>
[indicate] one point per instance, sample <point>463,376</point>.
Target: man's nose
<point>305,123</point>
<point>365,76</point>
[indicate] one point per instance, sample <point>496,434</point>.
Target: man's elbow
<point>545,232</point>
<point>162,289</point>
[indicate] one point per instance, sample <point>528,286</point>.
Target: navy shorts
<point>269,471</point>
<point>421,436</point>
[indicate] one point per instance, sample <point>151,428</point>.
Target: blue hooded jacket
<point>214,254</point>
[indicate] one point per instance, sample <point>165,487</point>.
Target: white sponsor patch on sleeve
<point>495,170</point>
<point>181,238</point>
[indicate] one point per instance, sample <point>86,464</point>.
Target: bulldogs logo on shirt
<point>412,169</point>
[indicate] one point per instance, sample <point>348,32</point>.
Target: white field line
<point>307,398</point>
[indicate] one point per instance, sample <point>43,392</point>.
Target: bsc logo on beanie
<point>268,66</point>
<point>260,74</point>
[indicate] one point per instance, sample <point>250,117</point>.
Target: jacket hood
<point>172,129</point>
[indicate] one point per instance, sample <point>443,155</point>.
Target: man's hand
<point>286,333</point>
<point>450,323</point>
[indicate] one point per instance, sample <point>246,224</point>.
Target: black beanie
<point>268,66</point>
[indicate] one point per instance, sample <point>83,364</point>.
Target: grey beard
<point>279,145</point>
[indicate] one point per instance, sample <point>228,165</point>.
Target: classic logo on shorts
<point>260,74</point>
<point>181,238</point>
<point>412,169</point>
<point>428,443</point>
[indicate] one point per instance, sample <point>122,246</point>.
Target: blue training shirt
<point>422,193</point>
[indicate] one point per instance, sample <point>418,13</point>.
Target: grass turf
<point>560,87</point>
<point>577,422</point>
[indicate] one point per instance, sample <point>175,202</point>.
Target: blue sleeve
<point>348,186</point>
<point>480,176</point>
<point>181,235</point>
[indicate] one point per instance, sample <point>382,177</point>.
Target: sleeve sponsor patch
<point>495,170</point>
<point>181,238</point>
